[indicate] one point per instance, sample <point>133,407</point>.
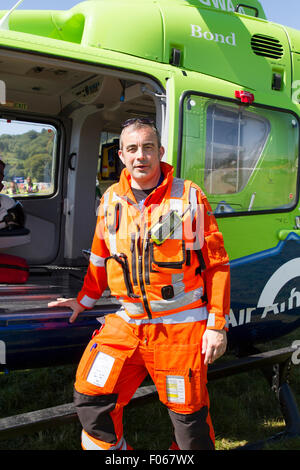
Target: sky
<point>286,12</point>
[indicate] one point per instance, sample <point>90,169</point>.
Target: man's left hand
<point>214,345</point>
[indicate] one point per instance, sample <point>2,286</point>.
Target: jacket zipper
<point>140,272</point>
<point>147,261</point>
<point>12,266</point>
<point>133,259</point>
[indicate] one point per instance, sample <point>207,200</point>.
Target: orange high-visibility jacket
<point>165,258</point>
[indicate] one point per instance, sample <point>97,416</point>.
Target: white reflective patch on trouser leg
<point>175,389</point>
<point>100,369</point>
<point>88,444</point>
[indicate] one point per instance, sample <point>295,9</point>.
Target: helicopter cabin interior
<point>59,126</point>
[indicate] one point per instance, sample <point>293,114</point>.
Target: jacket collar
<point>123,187</point>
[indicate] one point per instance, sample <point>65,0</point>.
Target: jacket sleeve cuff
<point>86,301</point>
<point>217,322</point>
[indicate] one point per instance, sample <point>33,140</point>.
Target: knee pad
<point>94,414</point>
<point>193,431</point>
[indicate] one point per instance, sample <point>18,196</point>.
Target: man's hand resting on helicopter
<point>70,303</point>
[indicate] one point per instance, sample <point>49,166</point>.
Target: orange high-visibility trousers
<point>117,360</point>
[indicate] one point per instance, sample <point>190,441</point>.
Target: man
<point>158,248</point>
<point>29,186</point>
<point>12,189</point>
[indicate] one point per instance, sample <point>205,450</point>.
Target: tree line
<point>28,155</point>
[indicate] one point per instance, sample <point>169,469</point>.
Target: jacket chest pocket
<point>118,275</point>
<point>170,255</point>
<point>115,276</point>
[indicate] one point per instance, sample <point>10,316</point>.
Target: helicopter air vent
<point>266,46</point>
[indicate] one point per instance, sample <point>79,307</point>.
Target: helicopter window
<point>245,159</point>
<point>28,150</point>
<point>234,142</point>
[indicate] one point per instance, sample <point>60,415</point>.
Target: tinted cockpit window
<point>244,158</point>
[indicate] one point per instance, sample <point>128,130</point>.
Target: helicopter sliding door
<point>245,158</point>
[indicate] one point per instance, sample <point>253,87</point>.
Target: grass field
<point>244,409</point>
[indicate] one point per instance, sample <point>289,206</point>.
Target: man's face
<point>141,156</point>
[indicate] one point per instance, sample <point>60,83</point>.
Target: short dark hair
<point>138,123</point>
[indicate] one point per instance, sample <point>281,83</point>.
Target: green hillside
<point>28,155</point>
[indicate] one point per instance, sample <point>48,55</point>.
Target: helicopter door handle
<point>70,161</point>
<point>282,234</point>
